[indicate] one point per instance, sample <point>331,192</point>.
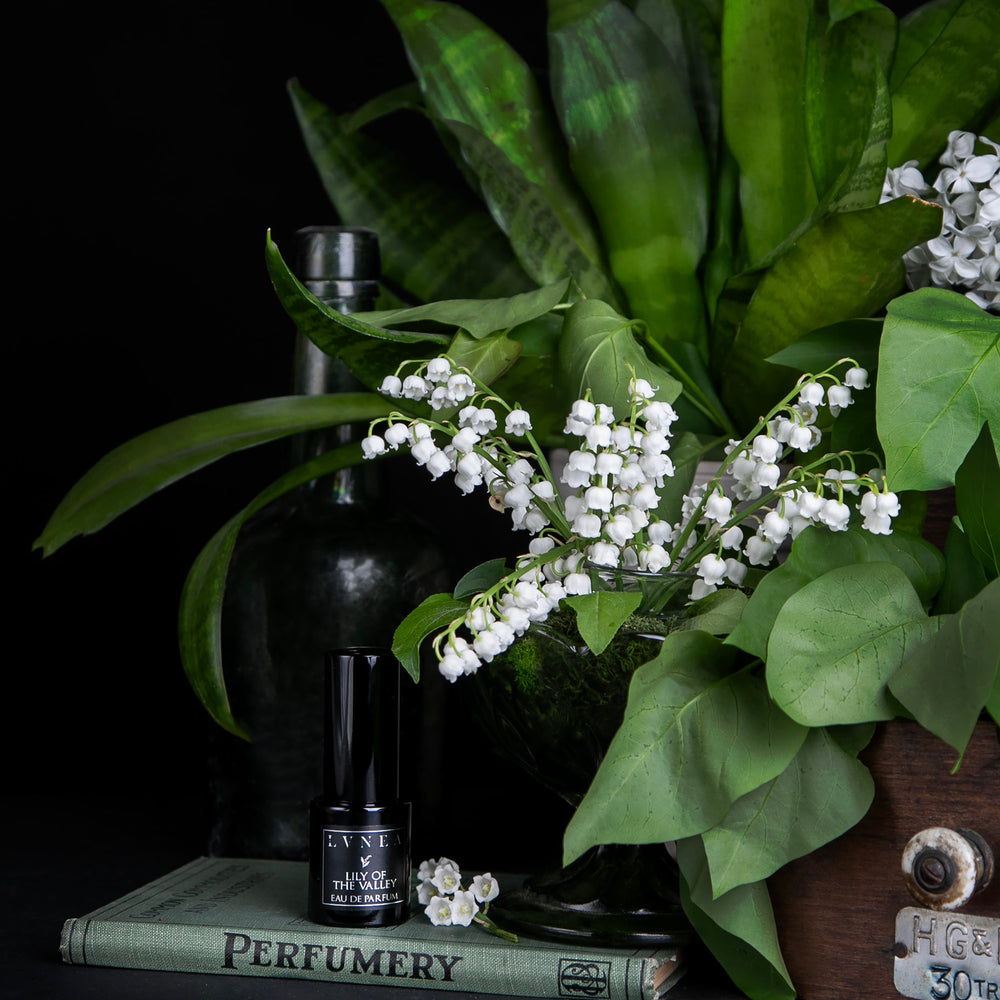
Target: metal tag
<point>947,956</point>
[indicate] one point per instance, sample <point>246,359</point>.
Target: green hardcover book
<point>237,917</point>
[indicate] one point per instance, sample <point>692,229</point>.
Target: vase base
<point>614,896</point>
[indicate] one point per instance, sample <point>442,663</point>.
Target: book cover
<point>240,917</point>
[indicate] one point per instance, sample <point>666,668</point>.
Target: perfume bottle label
<point>365,867</point>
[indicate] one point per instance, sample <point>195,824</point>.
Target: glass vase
<point>552,707</point>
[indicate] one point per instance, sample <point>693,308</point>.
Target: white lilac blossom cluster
<point>966,255</point>
<point>440,892</point>
<point>606,516</point>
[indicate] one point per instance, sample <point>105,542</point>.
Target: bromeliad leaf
<point>738,927</point>
<point>598,350</point>
<point>200,616</point>
<point>650,787</point>
<point>947,681</point>
<point>847,264</point>
<point>151,461</point>
<point>928,424</point>
<point>633,136</point>
<point>437,612</point>
<point>816,552</point>
<point>838,640</point>
<point>791,815</point>
<point>444,245</point>
<point>477,317</point>
<point>599,615</point>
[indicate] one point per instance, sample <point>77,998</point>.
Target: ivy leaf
<point>948,680</point>
<point>838,640</point>
<point>819,796</point>
<point>651,787</point>
<point>599,615</point>
<point>738,928</point>
<point>598,350</point>
<point>435,613</point>
<point>939,382</point>
<point>477,317</point>
<point>480,578</point>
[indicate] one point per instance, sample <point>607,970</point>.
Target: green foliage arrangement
<point>690,193</point>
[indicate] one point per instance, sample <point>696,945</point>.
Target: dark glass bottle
<point>333,565</point>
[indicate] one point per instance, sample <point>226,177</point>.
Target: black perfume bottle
<point>359,830</point>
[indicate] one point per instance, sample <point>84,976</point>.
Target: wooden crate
<point>836,908</point>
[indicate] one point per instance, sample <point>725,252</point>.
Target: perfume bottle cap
<point>361,726</point>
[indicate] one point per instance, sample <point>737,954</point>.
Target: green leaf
<point>763,82</point>
<point>200,614</point>
<point>819,796</point>
<point>848,111</point>
<point>964,575</point>
<point>977,489</point>
<point>837,641</point>
<point>939,382</point>
<point>599,615</point>
<point>954,84</point>
<point>917,32</point>
<point>598,350</point>
<point>946,682</point>
<point>480,578</point>
<point>470,76</point>
<point>151,461</point>
<point>444,245</point>
<point>637,150</point>
<point>436,613</point>
<point>477,317</point>
<point>738,928</point>
<point>845,265</point>
<point>370,352</point>
<point>815,552</point>
<point>652,786</point>
<point>716,614</point>
<point>487,359</point>
<point>818,350</point>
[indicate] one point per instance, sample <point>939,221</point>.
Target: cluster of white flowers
<point>440,892</point>
<point>608,518</point>
<point>966,255</point>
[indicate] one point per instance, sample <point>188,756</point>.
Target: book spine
<point>294,953</point>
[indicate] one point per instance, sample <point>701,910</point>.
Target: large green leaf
<point>977,487</point>
<point>939,382</point>
<point>637,150</point>
<point>763,82</point>
<point>947,681</point>
<point>820,795</point>
<point>598,350</point>
<point>738,928</point>
<point>151,461</point>
<point>695,738</point>
<point>436,240</point>
<point>815,552</point>
<point>469,75</point>
<point>370,351</point>
<point>848,109</point>
<point>846,265</point>
<point>955,84</point>
<point>837,641</point>
<point>478,317</point>
<point>200,614</point>
<point>964,574</point>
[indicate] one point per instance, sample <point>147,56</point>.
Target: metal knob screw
<point>943,868</point>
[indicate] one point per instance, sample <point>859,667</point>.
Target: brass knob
<point>943,868</point>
